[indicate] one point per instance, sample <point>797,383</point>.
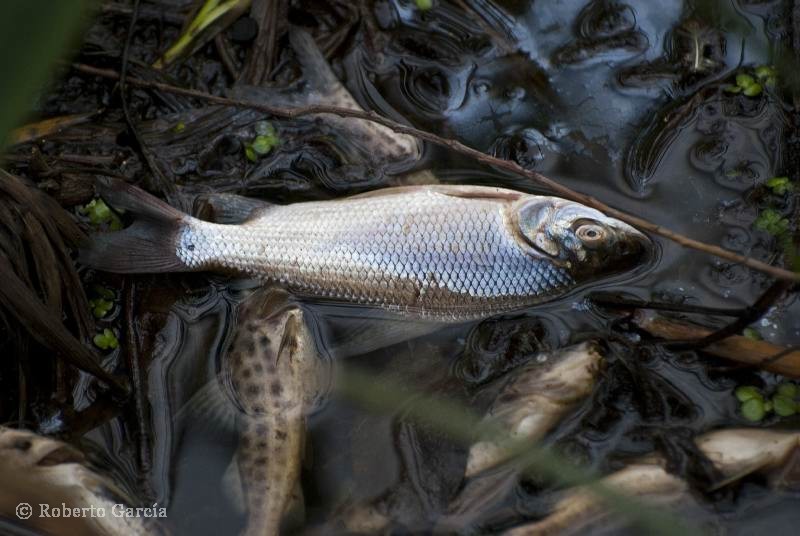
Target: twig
<point>166,187</point>
<point>752,314</point>
<point>614,302</point>
<point>748,352</point>
<point>223,50</point>
<point>137,381</point>
<point>507,165</point>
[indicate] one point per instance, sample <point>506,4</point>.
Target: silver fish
<point>535,398</point>
<point>446,253</point>
<point>274,370</point>
<point>735,453</point>
<point>46,473</point>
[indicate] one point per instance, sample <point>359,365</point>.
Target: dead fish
<point>321,86</point>
<point>735,453</point>
<point>535,398</point>
<point>444,253</point>
<point>274,373</point>
<point>51,476</point>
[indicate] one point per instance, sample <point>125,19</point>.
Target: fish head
<point>584,241</point>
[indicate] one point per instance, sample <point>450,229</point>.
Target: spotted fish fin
<point>147,246</point>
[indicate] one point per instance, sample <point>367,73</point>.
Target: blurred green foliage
<point>34,34</point>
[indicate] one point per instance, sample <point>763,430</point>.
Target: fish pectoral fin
<point>211,407</point>
<point>229,208</point>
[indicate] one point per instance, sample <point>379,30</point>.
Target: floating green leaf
<point>752,334</point>
<point>179,127</point>
<point>264,144</point>
<point>753,409</point>
<point>779,185</point>
<point>100,307</point>
<point>106,340</point>
<point>787,389</point>
<point>772,222</point>
<point>744,80</point>
<point>764,72</point>
<point>747,392</point>
<point>424,5</point>
<point>753,90</point>
<point>99,213</point>
<point>265,141</point>
<point>784,405</point>
<point>103,292</point>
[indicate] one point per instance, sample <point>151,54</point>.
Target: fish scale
<point>434,254</point>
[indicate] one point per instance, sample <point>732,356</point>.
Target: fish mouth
<point>633,244</point>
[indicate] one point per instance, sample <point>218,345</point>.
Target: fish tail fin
<point>147,246</point>
<point>316,69</point>
<point>323,87</point>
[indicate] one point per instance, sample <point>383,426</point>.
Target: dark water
<point>608,98</point>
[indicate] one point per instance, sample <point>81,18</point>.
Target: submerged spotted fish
<point>62,493</point>
<point>274,374</point>
<point>448,253</point>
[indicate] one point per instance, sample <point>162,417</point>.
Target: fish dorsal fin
<point>229,208</point>
<point>452,190</point>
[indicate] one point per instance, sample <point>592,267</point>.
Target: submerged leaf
<point>753,409</point>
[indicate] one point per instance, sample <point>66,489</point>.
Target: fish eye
<point>591,234</point>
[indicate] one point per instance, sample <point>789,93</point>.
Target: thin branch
<point>752,314</point>
<point>507,165</point>
<point>617,302</point>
